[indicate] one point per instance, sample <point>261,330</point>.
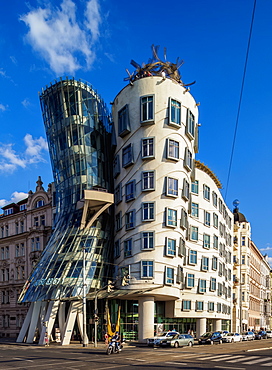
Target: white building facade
<point>173,230</point>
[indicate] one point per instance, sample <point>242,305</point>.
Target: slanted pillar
<point>26,324</point>
<point>34,321</point>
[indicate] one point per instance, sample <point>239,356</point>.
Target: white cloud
<point>267,248</point>
<point>14,60</point>
<point>26,102</point>
<point>15,198</point>
<point>58,36</point>
<point>10,160</point>
<point>3,107</point>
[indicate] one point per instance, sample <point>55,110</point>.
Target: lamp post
<point>84,300</point>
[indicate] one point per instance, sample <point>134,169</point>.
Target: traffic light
<point>110,286</point>
<point>96,318</point>
<point>125,280</point>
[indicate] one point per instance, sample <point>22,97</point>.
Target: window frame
<point>190,124</point>
<point>123,121</point>
<point>148,180</point>
<point>148,240</point>
<point>206,192</point>
<point>192,257</point>
<point>145,116</point>
<point>128,248</point>
<point>174,109</point>
<point>169,278</point>
<point>149,148</point>
<point>172,187</point>
<point>127,151</point>
<point>172,149</point>
<point>150,211</point>
<point>129,225</point>
<point>171,221</point>
<point>130,190</point>
<point>170,247</point>
<point>149,268</point>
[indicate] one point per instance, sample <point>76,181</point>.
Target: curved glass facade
<point>78,131</point>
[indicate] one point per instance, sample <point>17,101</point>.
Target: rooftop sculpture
<point>156,67</point>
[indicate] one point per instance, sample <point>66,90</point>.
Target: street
<point>238,356</point>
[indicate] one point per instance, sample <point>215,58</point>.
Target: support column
<point>70,321</point>
<point>217,325</point>
<point>26,324</point>
<point>200,326</point>
<point>146,318</point>
<point>34,321</point>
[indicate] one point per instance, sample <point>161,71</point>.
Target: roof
<point>206,169</point>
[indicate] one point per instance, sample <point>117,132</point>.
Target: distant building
<point>25,228</point>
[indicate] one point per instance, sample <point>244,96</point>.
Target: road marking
<point>258,349</point>
<point>210,357</point>
<point>269,364</point>
<point>21,359</point>
<point>176,363</point>
<point>230,367</point>
<point>227,359</point>
<point>135,359</point>
<point>257,361</point>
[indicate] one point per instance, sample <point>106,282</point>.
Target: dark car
<point>211,338</point>
<point>261,335</point>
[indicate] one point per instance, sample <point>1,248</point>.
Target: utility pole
<point>84,300</point>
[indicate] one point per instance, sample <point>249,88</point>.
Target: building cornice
<point>206,169</point>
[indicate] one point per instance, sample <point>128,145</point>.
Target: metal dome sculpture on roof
<point>157,67</point>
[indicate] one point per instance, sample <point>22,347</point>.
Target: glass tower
<point>78,129</point>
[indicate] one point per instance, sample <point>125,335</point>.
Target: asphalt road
<point>237,356</point>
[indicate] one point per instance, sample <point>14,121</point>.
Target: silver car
<point>178,340</point>
<point>248,335</point>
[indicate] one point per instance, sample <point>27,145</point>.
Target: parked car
<point>248,335</point>
<point>233,337</point>
<point>210,338</point>
<point>158,338</point>
<point>269,333</point>
<point>178,340</point>
<point>261,335</point>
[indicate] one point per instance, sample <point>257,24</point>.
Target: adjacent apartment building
<point>25,228</point>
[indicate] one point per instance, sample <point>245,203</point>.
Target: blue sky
<point>95,41</point>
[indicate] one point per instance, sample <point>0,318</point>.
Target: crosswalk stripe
<point>257,361</point>
<point>223,359</point>
<point>243,358</point>
<point>268,364</point>
<point>210,357</point>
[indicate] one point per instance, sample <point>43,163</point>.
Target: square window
<point>127,155</point>
<point>169,278</point>
<point>171,217</point>
<point>195,210</point>
<point>130,219</point>
<point>199,305</point>
<point>207,218</point>
<point>148,148</point>
<point>205,264</point>
<point>194,233</point>
<point>148,211</point>
<point>190,125</point>
<point>186,305</point>
<point>172,149</point>
<point>195,187</point>
<point>130,190</point>
<point>123,121</point>
<point>147,269</point>
<point>206,192</point>
<point>188,159</point>
<point>170,247</point>
<point>206,241</point>
<point>190,281</point>
<point>148,240</point>
<point>186,190</point>
<point>171,187</point>
<point>175,112</point>
<point>192,257</point>
<point>148,180</point>
<point>128,247</point>
<point>147,109</point>
<point>202,286</point>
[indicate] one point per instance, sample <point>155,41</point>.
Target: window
<point>186,305</point>
<point>40,203</point>
<point>148,180</point>
<point>127,155</point>
<point>182,247</point>
<point>215,242</point>
<point>118,193</point>
<point>180,275</point>
<point>190,281</point>
<point>7,253</point>
<point>2,231</point>
<point>206,192</point>
<point>207,218</point>
<point>190,124</point>
<point>219,289</point>
<point>213,284</point>
<point>117,249</point>
<point>8,211</point>
<point>7,230</point>
<point>214,263</point>
<point>128,247</point>
<point>169,275</point>
<point>171,187</point>
<point>195,187</point>
<point>147,108</point>
<point>215,220</point>
<point>170,247</point>
<point>220,269</point>
<point>192,257</point>
<point>147,269</point>
<point>220,206</point>
<point>171,217</point>
<point>206,241</point>
<point>147,240</point>
<point>243,240</point>
<point>195,210</point>
<point>183,219</point>
<point>123,121</point>
<point>32,244</point>
<point>175,112</point>
<point>214,198</point>
<point>148,213</point>
<point>199,305</point>
<point>36,221</point>
<point>205,264</point>
<point>130,190</point>
<point>148,148</point>
<point>23,207</point>
<point>17,250</point>
<point>186,190</point>
<point>219,307</point>
<point>243,260</point>
<point>16,228</point>
<point>202,286</point>
<point>211,306</point>
<point>118,221</point>
<point>130,219</point>
<point>22,224</point>
<point>188,159</point>
<point>194,233</point>
<point>42,220</point>
<point>172,149</point>
<point>116,166</point>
